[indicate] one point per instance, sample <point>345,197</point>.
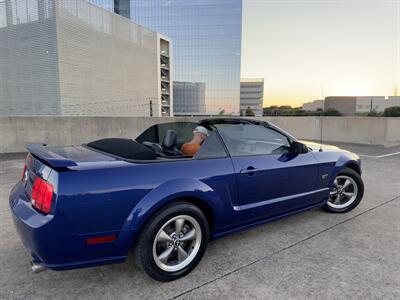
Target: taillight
<point>42,195</point>
<point>23,178</point>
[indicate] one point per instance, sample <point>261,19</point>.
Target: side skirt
<point>222,234</point>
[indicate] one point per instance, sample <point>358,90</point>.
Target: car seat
<point>169,143</point>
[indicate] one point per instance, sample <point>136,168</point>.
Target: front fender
<point>344,160</point>
<point>168,191</point>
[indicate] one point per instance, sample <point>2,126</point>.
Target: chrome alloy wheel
<point>177,243</point>
<point>343,193</point>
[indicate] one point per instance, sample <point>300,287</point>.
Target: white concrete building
<point>376,103</point>
<point>365,104</point>
<point>252,95</point>
<point>314,105</point>
<point>75,58</point>
<point>393,101</point>
<point>350,105</point>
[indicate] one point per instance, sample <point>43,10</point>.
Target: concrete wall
<point>16,132</point>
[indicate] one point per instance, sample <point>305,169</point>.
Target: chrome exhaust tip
<point>37,268</point>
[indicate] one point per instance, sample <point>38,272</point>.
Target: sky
<point>307,50</point>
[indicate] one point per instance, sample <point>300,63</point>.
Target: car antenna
<point>320,136</point>
<point>321,118</point>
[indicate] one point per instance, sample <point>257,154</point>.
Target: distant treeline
<point>287,110</point>
<point>393,111</point>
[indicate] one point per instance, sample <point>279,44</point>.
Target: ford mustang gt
<point>88,205</point>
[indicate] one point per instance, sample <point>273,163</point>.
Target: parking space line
<point>390,154</point>
<point>380,156</point>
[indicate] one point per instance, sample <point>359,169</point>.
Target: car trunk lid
<point>43,164</point>
<point>66,157</point>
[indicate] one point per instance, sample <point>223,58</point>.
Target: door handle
<point>249,171</point>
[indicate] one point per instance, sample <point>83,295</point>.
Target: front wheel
<point>173,242</point>
<point>346,192</point>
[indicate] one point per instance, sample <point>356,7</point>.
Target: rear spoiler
<point>52,159</point>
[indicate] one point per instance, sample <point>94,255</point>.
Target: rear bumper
<point>51,243</point>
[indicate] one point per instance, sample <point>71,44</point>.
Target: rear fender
<point>169,191</point>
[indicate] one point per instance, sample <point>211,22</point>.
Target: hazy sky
<point>306,49</point>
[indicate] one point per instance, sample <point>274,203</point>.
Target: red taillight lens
<point>23,174</point>
<point>42,195</point>
<point>101,239</point>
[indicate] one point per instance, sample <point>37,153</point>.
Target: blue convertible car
<point>88,205</point>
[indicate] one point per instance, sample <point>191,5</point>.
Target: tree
<point>249,112</point>
<point>287,110</point>
<point>332,112</point>
<point>393,111</point>
<point>374,113</point>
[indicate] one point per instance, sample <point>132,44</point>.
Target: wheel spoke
<point>164,237</point>
<point>346,184</point>
<point>348,194</point>
<point>163,257</point>
<point>179,226</point>
<point>335,183</point>
<point>337,199</point>
<point>331,193</point>
<point>191,235</point>
<point>182,254</point>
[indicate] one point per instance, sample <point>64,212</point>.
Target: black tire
<point>360,192</point>
<point>143,251</point>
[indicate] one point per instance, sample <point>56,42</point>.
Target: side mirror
<point>299,148</point>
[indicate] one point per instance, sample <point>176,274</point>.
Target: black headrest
<point>170,139</point>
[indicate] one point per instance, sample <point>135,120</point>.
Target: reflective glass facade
<point>206,40</point>
<point>107,4</point>
<point>121,7</point>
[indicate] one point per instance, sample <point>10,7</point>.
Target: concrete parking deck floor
<point>310,255</point>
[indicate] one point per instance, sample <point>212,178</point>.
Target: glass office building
<point>206,42</point>
<point>107,4</point>
<point>121,7</point>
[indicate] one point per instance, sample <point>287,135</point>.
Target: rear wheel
<point>173,242</point>
<point>346,192</point>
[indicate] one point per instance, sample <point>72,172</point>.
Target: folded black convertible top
<point>124,148</point>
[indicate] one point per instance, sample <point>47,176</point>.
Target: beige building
<point>75,58</point>
<point>314,105</point>
<point>351,105</point>
<point>393,101</point>
<point>367,104</point>
<point>346,105</point>
<point>252,95</point>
